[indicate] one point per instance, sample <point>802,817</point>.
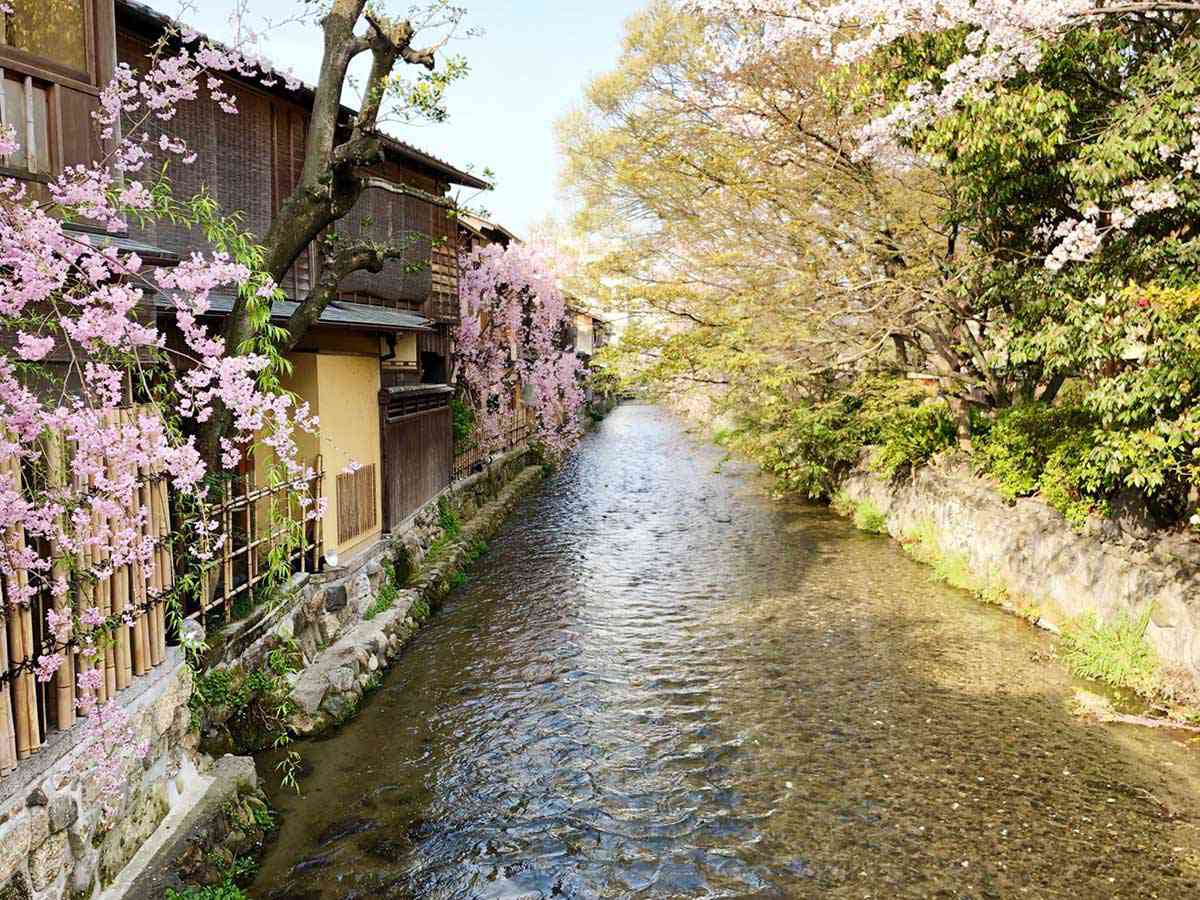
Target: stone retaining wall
<point>54,840</point>
<point>1113,566</point>
<point>329,690</point>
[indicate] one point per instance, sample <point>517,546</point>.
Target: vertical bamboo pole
<point>150,568</point>
<point>120,596</point>
<point>89,596</point>
<point>158,514</point>
<point>318,493</point>
<point>226,548</point>
<point>139,664</point>
<point>107,657</point>
<point>54,451</point>
<point>162,533</point>
<point>19,623</point>
<point>8,734</point>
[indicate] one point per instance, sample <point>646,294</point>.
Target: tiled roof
<point>338,314</point>
<point>150,16</point>
<point>97,237</point>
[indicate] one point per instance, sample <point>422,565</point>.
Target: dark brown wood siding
<point>251,161</point>
<point>417,441</point>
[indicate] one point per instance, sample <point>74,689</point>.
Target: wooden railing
<point>134,634</point>
<point>265,527</point>
<point>473,458</point>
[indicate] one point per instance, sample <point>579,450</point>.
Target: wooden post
<point>8,734</point>
<point>227,548</point>
<point>53,450</point>
<point>19,622</point>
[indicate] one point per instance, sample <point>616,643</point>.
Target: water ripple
<point>662,684</point>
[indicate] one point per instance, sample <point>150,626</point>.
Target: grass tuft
<point>1117,654</point>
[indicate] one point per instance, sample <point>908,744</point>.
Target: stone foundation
<point>1114,566</point>
<point>54,841</point>
<point>329,690</point>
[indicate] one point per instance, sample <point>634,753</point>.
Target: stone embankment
<point>1114,566</point>
<point>330,689</point>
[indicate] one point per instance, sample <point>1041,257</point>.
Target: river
<point>660,682</point>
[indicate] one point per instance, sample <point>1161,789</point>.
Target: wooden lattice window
<point>356,503</point>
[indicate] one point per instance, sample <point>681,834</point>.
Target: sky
<point>528,68</point>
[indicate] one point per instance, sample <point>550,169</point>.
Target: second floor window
<point>25,105</point>
<point>50,30</point>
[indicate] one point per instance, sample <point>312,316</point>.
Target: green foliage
<point>447,517</point>
<point>457,580</point>
<point>810,444</point>
<point>1117,654</point>
<point>1015,445</point>
<point>252,703</point>
<point>909,437</point>
<point>1072,481</point>
<point>227,890</point>
<point>868,517</point>
<point>389,590</point>
<point>419,610</point>
<point>463,419</point>
<point>477,548</point>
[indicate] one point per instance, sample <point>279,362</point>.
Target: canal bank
<point>335,634</point>
<point>661,683</point>
<point>1115,571</point>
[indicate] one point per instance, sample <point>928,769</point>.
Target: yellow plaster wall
<point>348,388</point>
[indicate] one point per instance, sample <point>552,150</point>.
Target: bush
<point>1070,479</point>
<point>226,891</point>
<point>463,418</point>
<point>1037,449</point>
<point>1015,445</point>
<point>910,436</point>
<point>813,443</point>
<point>868,517</point>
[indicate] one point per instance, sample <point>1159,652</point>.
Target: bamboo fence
<point>256,521</point>
<point>130,597</point>
<point>30,711</point>
<point>475,457</point>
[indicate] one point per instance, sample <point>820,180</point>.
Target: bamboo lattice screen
<point>31,710</point>
<point>356,509</point>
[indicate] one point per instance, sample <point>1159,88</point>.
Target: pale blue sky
<point>527,69</point>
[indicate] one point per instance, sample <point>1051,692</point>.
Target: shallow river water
<point>661,683</point>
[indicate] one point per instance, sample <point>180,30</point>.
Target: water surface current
<point>661,683</point>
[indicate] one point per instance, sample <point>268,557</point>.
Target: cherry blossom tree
<point>96,401</point>
<point>513,320</point>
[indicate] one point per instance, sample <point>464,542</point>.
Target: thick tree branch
<point>347,259</point>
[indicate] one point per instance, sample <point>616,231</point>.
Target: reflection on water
<point>663,684</point>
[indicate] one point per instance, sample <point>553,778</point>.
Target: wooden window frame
<point>57,78</point>
<point>48,70</point>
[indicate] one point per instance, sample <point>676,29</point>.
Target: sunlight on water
<point>660,683</point>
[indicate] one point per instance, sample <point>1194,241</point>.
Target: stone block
<point>14,844</point>
<point>64,810</point>
<point>336,598</point>
<point>308,694</point>
<point>48,861</point>
<point>16,888</point>
<point>39,826</point>
<point>360,589</point>
<point>341,679</point>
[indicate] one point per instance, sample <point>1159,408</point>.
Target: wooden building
<point>374,368</point>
